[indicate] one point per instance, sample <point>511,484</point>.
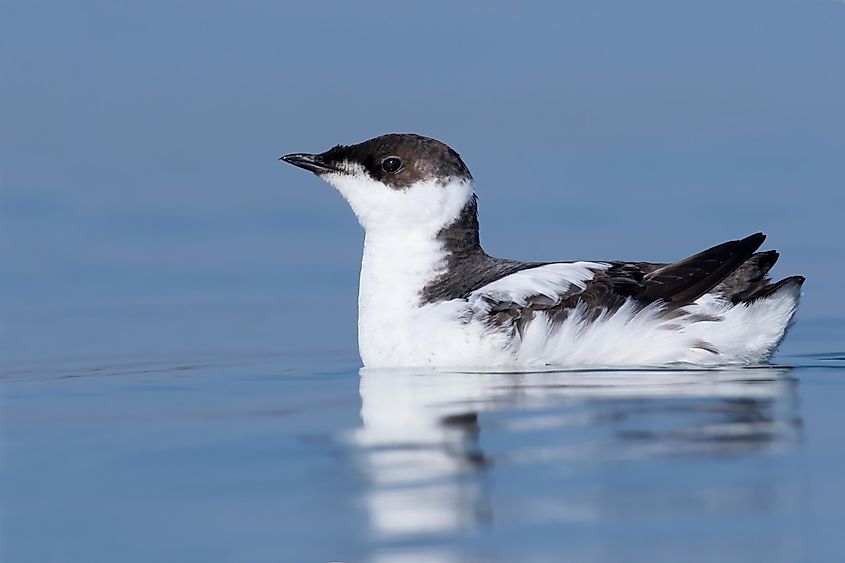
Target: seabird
<point>430,296</point>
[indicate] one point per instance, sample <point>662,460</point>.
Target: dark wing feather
<point>732,264</point>
<point>742,284</point>
<point>689,279</point>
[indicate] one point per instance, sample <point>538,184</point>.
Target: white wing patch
<point>551,281</point>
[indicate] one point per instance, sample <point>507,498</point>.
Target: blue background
<point>143,208</point>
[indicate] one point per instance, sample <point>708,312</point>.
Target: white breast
<point>401,256</point>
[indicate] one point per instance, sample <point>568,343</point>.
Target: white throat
<point>424,207</point>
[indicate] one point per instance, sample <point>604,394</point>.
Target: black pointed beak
<point>311,162</point>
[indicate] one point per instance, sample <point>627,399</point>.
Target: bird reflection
<point>429,471</point>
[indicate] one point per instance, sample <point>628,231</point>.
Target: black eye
<point>391,164</point>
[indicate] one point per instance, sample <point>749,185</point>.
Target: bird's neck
<point>460,237</point>
<point>396,269</point>
<point>397,266</point>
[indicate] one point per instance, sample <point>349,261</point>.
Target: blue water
<point>300,458</point>
<point>179,377</point>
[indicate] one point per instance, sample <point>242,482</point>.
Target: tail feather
<point>750,277</point>
<point>768,290</point>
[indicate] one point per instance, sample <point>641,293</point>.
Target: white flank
<point>739,334</point>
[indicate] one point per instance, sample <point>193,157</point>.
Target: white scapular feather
<point>551,281</point>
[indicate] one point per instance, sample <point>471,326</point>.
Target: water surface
<point>304,458</point>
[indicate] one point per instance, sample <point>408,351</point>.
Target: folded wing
<point>606,285</point>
